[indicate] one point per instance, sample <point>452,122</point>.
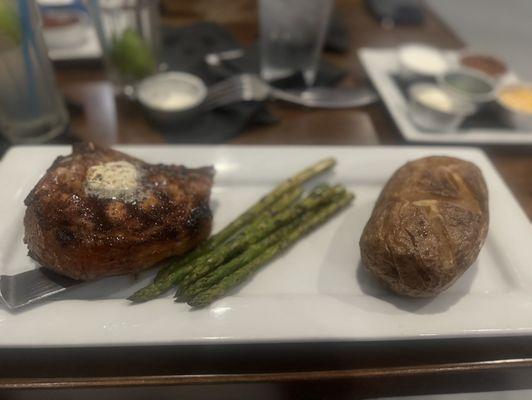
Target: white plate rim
<point>325,334</point>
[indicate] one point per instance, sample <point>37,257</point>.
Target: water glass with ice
<point>291,37</point>
<point>31,108</point>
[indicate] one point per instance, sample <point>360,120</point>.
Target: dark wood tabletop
<point>286,371</point>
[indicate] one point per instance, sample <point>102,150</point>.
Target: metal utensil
<point>325,97</point>
<point>248,87</point>
<point>31,286</point>
<point>217,61</point>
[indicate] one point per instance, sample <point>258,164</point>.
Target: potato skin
<point>428,226</point>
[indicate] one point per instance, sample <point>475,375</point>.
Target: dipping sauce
<point>484,63</point>
<point>422,60</point>
<point>64,29</point>
<point>171,97</point>
<point>517,98</point>
<point>435,98</point>
<point>469,85</point>
<point>169,92</point>
<point>433,109</point>
<point>58,20</point>
<point>172,100</point>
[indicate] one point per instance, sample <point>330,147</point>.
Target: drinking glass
<point>291,37</point>
<point>129,36</point>
<point>31,108</point>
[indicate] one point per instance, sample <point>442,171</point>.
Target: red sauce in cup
<point>488,64</point>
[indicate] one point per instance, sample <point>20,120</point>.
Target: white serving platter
<point>499,395</point>
<point>381,64</point>
<point>318,291</point>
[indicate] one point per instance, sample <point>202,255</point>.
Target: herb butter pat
<point>116,179</point>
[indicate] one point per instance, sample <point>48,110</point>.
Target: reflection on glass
<point>31,108</point>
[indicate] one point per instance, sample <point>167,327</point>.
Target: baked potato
<point>428,226</point>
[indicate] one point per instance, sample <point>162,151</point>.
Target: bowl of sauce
<point>64,29</point>
<point>515,104</point>
<point>468,85</point>
<point>171,96</point>
<point>484,63</point>
<point>421,60</point>
<point>434,109</point>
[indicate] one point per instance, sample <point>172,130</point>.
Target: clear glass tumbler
<point>291,37</point>
<point>31,108</point>
<point>129,33</point>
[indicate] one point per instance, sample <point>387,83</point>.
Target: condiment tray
<point>382,66</point>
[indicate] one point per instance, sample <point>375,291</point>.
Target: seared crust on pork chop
<point>86,235</point>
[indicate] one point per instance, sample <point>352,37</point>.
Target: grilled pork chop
<point>99,212</point>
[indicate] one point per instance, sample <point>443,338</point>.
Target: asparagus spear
<point>170,279</point>
<point>254,232</point>
<point>282,204</point>
<point>250,214</point>
<point>247,269</point>
<point>259,230</point>
<point>275,208</point>
<point>246,257</point>
<point>215,240</point>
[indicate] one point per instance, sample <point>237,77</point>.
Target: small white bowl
<point>171,96</point>
<point>474,77</point>
<point>431,118</point>
<point>65,29</point>
<point>511,116</point>
<point>469,53</point>
<point>409,61</point>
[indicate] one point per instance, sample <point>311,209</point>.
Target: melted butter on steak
<point>117,180</point>
<point>99,212</point>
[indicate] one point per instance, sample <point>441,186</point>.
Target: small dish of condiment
<point>171,96</point>
<point>485,63</point>
<point>418,59</point>
<point>434,109</point>
<point>515,103</point>
<point>64,29</point>
<point>468,85</point>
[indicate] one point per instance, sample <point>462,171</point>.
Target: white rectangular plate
<point>316,291</point>
<point>499,395</point>
<point>381,64</point>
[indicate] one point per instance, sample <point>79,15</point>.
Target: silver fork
<point>28,287</point>
<point>237,88</point>
<point>248,87</point>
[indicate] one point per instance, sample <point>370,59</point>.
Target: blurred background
<point>101,51</point>
<point>276,72</point>
<point>501,28</point>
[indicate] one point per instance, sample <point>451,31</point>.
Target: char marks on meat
<point>84,233</point>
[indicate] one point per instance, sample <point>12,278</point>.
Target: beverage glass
<point>31,108</point>
<point>291,37</point>
<point>129,36</point>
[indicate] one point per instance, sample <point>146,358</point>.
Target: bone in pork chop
<point>99,212</point>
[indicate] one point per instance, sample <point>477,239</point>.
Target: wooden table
<point>316,370</point>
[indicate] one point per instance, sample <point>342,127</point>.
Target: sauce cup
<point>419,60</point>
<point>172,97</point>
<point>468,86</point>
<point>516,108</point>
<point>431,115</point>
<point>485,63</point>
